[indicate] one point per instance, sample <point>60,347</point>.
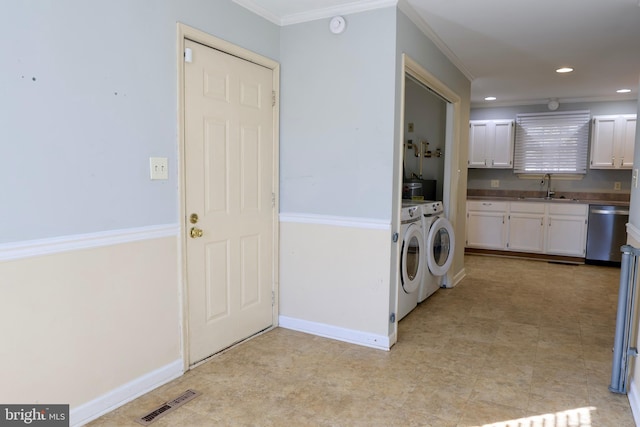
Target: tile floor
<point>516,343</point>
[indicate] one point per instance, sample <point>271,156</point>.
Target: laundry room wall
<point>336,179</point>
<point>428,115</point>
<point>90,307</point>
<point>411,41</point>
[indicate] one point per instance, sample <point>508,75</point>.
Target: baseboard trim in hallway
<point>634,401</point>
<point>125,393</point>
<point>366,339</point>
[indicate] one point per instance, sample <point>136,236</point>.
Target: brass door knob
<point>195,232</point>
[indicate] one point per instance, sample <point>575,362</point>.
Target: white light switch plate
<point>159,167</point>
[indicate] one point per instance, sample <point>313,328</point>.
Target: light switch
<point>159,167</point>
<point>617,185</point>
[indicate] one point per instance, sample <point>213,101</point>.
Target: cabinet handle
<point>486,204</point>
<point>503,219</point>
<point>613,161</point>
<point>493,162</point>
<point>621,161</point>
<point>485,162</point>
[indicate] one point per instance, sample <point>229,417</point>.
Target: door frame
<point>186,32</point>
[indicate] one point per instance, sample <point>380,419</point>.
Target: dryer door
<point>411,261</point>
<point>440,245</point>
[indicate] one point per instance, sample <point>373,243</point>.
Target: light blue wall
<point>595,180</point>
<point>634,206</point>
<point>88,95</point>
<point>337,109</point>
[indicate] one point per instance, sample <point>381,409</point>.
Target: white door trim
<point>186,32</point>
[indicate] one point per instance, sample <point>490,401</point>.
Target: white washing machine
<point>412,260</point>
<point>439,244</point>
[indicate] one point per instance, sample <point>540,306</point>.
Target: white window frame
<point>552,143</point>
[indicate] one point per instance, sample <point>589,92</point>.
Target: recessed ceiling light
<point>490,98</point>
<point>623,90</point>
<point>564,70</point>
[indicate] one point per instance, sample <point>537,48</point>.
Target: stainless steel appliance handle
<point>605,212</point>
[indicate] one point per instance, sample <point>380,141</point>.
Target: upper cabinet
<point>612,141</point>
<point>491,144</point>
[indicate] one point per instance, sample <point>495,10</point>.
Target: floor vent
<point>167,407</point>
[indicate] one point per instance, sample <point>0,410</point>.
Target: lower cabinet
<point>486,224</point>
<point>567,229</point>
<point>526,227</point>
<point>556,228</point>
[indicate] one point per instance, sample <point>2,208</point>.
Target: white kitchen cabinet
<point>554,228</point>
<point>612,141</point>
<point>491,144</point>
<point>526,227</point>
<point>566,229</point>
<point>487,225</point>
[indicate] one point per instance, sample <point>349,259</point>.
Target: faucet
<point>550,193</point>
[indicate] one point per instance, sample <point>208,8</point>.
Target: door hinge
<point>188,54</point>
<point>273,98</point>
<point>273,200</point>
<point>273,298</point>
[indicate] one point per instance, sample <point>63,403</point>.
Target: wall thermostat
<point>337,24</point>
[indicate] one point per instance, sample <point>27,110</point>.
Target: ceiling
<point>511,50</point>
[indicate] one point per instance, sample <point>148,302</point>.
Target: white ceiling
<point>511,49</point>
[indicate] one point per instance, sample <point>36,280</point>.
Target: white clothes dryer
<point>412,260</point>
<point>439,245</point>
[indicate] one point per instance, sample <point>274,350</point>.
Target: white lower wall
<point>633,239</point>
<point>77,324</point>
<point>335,277</point>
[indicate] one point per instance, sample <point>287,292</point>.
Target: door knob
<point>195,232</point>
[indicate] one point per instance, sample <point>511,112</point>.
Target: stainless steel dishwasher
<point>606,232</point>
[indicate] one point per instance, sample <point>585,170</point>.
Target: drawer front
<point>568,209</point>
<point>527,207</point>
<point>486,206</point>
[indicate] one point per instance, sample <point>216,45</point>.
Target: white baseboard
<point>457,278</point>
<point>366,339</point>
<point>634,401</point>
<point>125,393</point>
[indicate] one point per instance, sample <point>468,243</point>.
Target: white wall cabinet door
<point>491,144</point>
<point>612,141</point>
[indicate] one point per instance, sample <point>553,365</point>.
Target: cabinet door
<point>478,140</point>
<point>628,136</point>
<point>502,151</point>
<point>566,235</point>
<point>526,232</point>
<point>602,142</point>
<point>486,230</point>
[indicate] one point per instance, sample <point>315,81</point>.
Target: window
<point>552,143</point>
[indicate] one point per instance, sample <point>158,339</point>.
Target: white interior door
<point>230,182</point>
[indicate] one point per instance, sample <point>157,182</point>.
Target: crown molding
<point>422,25</point>
<point>315,14</point>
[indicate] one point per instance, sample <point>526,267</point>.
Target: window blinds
<point>552,142</point>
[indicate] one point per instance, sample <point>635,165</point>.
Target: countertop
<point>613,199</point>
